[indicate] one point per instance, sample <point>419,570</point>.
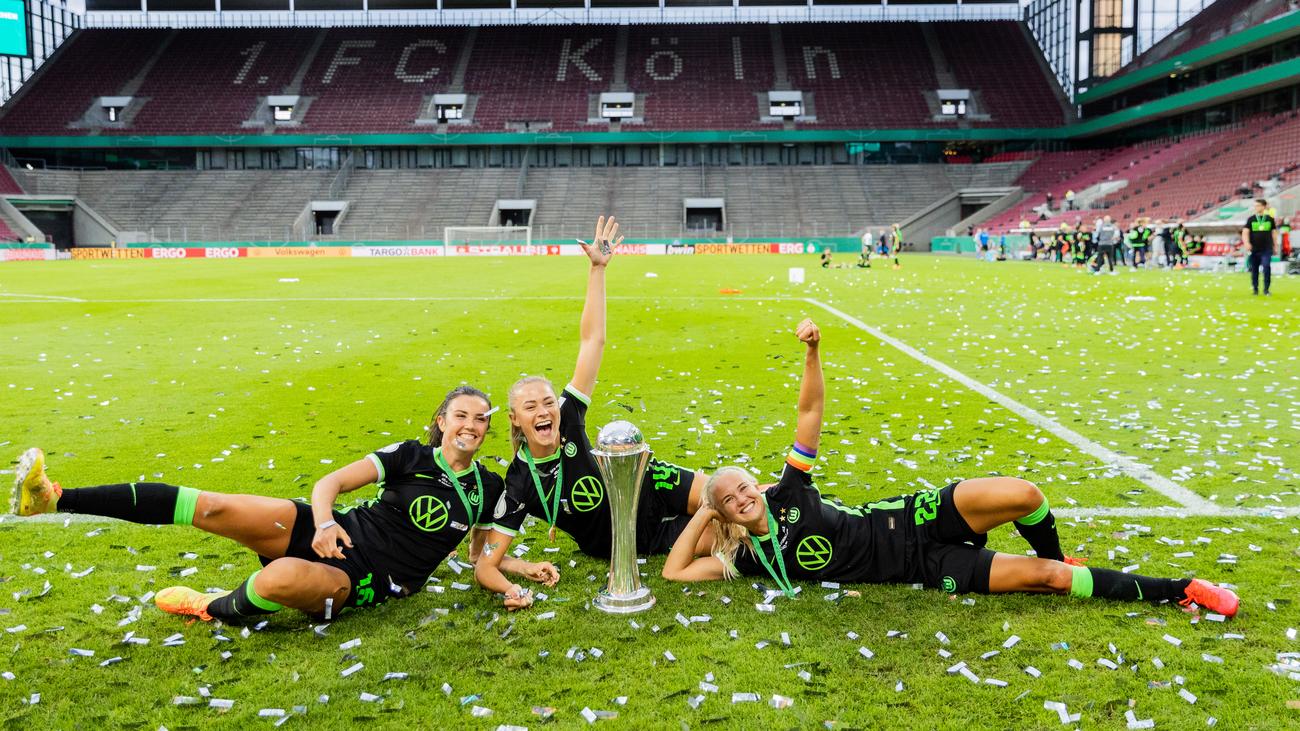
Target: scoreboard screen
<point>14,40</point>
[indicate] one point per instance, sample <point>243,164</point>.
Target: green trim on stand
<point>1271,31</point>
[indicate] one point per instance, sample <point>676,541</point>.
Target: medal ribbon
<point>782,579</point>
<point>455,483</point>
<point>552,511</point>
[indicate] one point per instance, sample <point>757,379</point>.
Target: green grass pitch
<point>220,375</point>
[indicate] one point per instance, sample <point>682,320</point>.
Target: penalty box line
<point>1189,501</point>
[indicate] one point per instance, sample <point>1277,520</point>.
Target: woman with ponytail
<point>787,532</point>
<point>316,558</point>
<point>554,476</point>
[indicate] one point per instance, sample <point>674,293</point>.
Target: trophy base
<point>638,601</point>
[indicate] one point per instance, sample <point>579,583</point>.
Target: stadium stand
<point>996,62</point>
<point>251,205</point>
<point>1078,170</point>
<point>1189,185</point>
<point>858,75</point>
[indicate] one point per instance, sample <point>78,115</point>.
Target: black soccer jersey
<point>1261,232</point>
<point>822,541</point>
<point>581,508</point>
<point>418,517</point>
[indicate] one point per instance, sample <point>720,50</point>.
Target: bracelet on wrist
<point>327,524</point>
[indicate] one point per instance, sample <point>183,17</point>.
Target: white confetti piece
<point>1033,672</point>
<point>1011,642</point>
<point>1075,664</point>
<point>546,615</point>
<point>868,654</point>
<point>995,682</point>
<point>745,698</point>
<point>394,676</point>
<point>372,698</point>
<point>1173,640</point>
<point>1187,696</point>
<point>588,715</point>
<point>355,642</point>
<point>668,655</point>
<point>270,712</point>
<point>943,638</point>
<point>223,704</point>
<point>352,670</point>
<point>1107,664</point>
<point>780,701</point>
<point>81,653</point>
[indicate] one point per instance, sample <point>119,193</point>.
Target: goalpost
<point>487,236</point>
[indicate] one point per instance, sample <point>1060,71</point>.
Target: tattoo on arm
<point>490,548</point>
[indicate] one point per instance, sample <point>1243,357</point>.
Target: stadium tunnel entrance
<point>54,219</point>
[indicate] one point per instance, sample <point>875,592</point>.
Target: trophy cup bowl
<point>622,455</point>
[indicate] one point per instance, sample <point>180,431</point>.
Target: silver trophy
<point>622,455</point>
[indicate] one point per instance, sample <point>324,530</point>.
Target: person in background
<point>1069,200</point>
<point>982,239</point>
<point>1139,239</point>
<point>1260,234</point>
<point>896,244</point>
<point>1062,243</point>
<point>1106,238</point>
<point>1083,243</point>
<point>1178,235</point>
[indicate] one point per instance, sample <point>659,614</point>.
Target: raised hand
<point>808,332</point>
<point>601,248</point>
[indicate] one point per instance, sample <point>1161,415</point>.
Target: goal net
<point>487,236</point>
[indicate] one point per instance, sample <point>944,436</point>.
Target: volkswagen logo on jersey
<point>428,513</point>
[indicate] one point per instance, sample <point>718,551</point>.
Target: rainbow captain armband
<point>801,457</point>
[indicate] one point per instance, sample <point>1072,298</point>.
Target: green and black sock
<point>1039,529</point>
<point>150,503</point>
<point>1108,584</point>
<point>242,604</point>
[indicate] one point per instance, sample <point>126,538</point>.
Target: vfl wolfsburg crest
<point>570,449</point>
<point>792,516</point>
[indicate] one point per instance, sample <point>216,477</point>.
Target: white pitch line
<point>41,297</point>
<point>1189,500</point>
<point>1175,512</point>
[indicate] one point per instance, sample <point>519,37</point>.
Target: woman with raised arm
<point>554,476</point>
<point>789,533</point>
<point>318,559</point>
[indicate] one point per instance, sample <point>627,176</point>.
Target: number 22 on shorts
<point>927,507</point>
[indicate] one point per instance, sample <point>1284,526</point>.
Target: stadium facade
<point>333,122</point>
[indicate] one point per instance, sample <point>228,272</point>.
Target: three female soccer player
<point>788,533</point>
<point>315,558</point>
<point>321,560</point>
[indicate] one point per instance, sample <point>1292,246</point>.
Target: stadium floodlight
<point>487,236</point>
